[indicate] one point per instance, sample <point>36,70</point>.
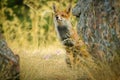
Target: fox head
<point>62,17</point>
<point>63,24</point>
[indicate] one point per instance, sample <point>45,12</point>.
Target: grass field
<point>44,64</point>
<point>48,63</point>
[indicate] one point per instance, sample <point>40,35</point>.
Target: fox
<point>63,26</point>
<point>74,46</point>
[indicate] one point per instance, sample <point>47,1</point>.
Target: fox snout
<point>58,18</point>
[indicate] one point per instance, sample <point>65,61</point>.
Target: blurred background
<point>29,23</point>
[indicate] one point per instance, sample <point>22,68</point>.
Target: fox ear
<point>54,8</point>
<point>69,8</point>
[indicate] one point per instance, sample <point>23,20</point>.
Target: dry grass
<point>48,63</point>
<point>44,64</point>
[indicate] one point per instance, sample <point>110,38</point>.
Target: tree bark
<point>99,26</point>
<point>9,63</point>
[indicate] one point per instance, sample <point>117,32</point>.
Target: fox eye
<point>63,15</point>
<point>56,17</point>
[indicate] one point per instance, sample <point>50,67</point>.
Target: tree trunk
<point>9,63</point>
<point>99,26</point>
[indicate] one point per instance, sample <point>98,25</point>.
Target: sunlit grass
<point>44,64</point>
<point>48,63</point>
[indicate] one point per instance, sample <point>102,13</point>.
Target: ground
<point>48,63</point>
<point>44,64</point>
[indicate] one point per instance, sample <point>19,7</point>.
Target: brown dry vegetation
<point>47,63</point>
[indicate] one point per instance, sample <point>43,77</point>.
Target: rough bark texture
<point>9,63</point>
<point>99,26</point>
